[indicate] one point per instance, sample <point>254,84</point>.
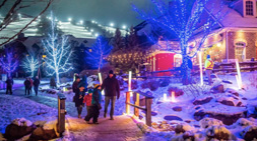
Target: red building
<point>164,60</point>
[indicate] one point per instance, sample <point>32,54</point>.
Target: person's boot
<point>79,116</point>
<point>105,115</point>
<point>111,118</point>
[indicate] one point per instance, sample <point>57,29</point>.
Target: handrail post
<point>148,111</point>
<point>61,113</point>
<point>127,101</point>
<point>136,110</point>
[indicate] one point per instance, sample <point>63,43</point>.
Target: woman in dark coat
<point>79,91</point>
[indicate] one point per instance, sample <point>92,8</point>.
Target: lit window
<point>249,8</point>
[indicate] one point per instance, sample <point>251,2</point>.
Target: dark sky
<point>103,11</point>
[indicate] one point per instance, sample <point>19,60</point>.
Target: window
<point>240,47</point>
<point>249,11</point>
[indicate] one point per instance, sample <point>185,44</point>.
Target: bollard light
<point>165,99</point>
<point>239,80</point>
<point>101,81</point>
<point>173,97</point>
<point>201,68</point>
<point>129,82</point>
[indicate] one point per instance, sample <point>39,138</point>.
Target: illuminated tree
<point>95,56</point>
<point>30,64</point>
<point>187,21</point>
<point>8,62</point>
<point>58,52</point>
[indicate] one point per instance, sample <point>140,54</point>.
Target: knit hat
<point>208,56</point>
<point>111,72</point>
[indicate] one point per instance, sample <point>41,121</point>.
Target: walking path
<point>121,129</point>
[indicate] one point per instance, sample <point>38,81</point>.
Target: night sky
<point>103,11</point>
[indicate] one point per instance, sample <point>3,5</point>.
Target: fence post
<point>61,113</point>
<point>148,111</point>
<point>127,101</point>
<point>136,110</point>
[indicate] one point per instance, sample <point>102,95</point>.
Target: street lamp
<point>69,19</point>
<point>112,24</point>
<point>81,22</point>
<point>124,27</point>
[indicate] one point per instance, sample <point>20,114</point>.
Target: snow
<point>20,107</point>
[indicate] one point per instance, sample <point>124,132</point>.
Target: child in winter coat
<point>94,109</point>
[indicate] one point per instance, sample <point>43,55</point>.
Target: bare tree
<point>12,12</point>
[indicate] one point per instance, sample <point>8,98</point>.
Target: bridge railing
<point>136,105</point>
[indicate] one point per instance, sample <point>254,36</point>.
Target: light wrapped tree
<point>8,62</point>
<point>58,52</point>
<point>185,21</point>
<point>95,56</point>
<point>30,64</point>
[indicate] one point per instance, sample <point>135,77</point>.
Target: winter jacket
<point>75,86</point>
<point>78,99</point>
<point>96,98</point>
<point>36,82</point>
<point>9,82</point>
<point>208,64</point>
<point>111,87</point>
<point>27,83</point>
<point>87,100</point>
<point>83,82</point>
<point>31,82</point>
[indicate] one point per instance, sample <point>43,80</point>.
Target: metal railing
<point>147,109</point>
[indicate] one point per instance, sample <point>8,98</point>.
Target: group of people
<point>92,96</point>
<point>29,83</point>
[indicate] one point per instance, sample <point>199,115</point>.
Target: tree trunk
<point>185,70</point>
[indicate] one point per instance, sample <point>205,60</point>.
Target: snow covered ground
<point>188,109</point>
<point>189,116</point>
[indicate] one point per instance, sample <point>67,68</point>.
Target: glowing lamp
<point>201,68</point>
<point>219,44</point>
<point>173,97</point>
<point>239,79</point>
<point>129,82</point>
<point>165,99</point>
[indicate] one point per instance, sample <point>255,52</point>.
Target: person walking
<point>36,84</point>
<point>9,84</point>
<point>94,109</point>
<point>78,89</point>
<point>31,84</point>
<point>111,89</point>
<point>27,86</point>
<point>208,66</point>
<point>52,83</point>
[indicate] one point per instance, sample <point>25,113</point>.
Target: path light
<point>201,68</point>
<point>239,80</point>
<point>219,44</point>
<point>129,82</point>
<point>173,97</point>
<point>165,99</point>
<point>69,19</point>
<point>96,35</point>
<point>112,24</point>
<point>101,81</point>
<point>124,27</point>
